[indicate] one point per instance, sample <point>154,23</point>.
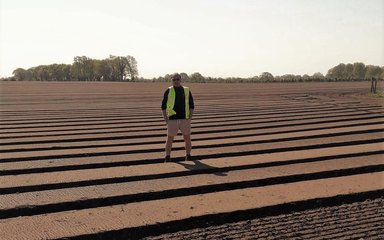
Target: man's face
<point>176,82</point>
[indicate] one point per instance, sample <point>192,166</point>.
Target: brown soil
<point>271,161</point>
<point>359,220</point>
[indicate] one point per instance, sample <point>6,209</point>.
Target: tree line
<point>355,71</point>
<point>113,68</point>
<point>117,68</point>
<point>341,72</point>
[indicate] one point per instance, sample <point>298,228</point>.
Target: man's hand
<point>191,110</point>
<point>165,116</point>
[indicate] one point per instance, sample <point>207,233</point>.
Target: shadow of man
<point>201,167</point>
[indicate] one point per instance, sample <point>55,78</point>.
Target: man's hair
<point>176,76</point>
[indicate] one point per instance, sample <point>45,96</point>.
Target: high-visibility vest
<point>171,101</point>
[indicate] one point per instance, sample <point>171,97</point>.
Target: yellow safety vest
<point>171,101</point>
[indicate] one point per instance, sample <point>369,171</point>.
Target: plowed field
<point>270,161</point>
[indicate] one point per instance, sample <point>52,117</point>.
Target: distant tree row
<point>117,68</point>
<point>114,68</point>
<point>263,77</point>
<point>341,72</point>
<point>356,71</point>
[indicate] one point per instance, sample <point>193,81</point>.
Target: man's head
<point>176,79</point>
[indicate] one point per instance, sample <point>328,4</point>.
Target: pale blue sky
<point>218,38</point>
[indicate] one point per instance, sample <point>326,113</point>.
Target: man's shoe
<point>167,158</point>
<point>188,157</point>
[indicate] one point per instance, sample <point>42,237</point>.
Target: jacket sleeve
<point>191,103</point>
<point>165,99</point>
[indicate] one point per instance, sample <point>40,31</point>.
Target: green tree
<point>32,74</point>
<point>131,69</point>
<point>98,69</point>
<point>348,71</point>
<point>55,72</point>
<point>184,77</point>
<point>20,74</point>
<point>358,71</point>
<point>123,68</point>
<point>318,76</point>
<point>337,72</point>
<point>118,65</point>
<point>287,78</point>
<point>382,74</point>
<point>82,68</point>
<point>306,78</point>
<point>266,77</point>
<point>66,72</point>
<point>106,70</point>
<point>42,73</point>
<point>197,77</point>
<point>373,72</point>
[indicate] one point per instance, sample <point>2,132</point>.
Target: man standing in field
<point>177,107</point>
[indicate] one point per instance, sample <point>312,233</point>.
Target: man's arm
<point>190,113</point>
<point>191,105</point>
<point>164,105</point>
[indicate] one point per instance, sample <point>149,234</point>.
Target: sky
<point>217,38</point>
